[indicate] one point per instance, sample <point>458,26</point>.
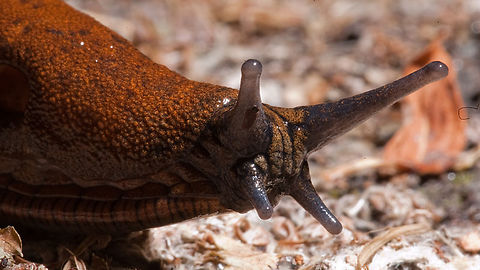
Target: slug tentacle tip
<point>436,70</point>
<point>304,193</point>
<point>259,200</point>
<point>252,67</point>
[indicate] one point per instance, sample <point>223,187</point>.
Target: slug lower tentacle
<point>95,137</point>
<point>304,193</point>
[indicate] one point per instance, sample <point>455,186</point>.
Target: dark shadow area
<point>14,94</point>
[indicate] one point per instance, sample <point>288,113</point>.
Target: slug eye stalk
<point>247,120</point>
<point>327,121</point>
<point>250,124</point>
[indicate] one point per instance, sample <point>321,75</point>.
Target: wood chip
<point>470,242</point>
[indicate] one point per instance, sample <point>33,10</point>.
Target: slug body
<point>95,137</point>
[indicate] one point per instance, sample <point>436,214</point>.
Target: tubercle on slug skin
<point>109,141</point>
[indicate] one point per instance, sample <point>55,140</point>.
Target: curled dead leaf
<point>432,135</point>
<point>285,232</point>
<point>11,251</point>
<point>253,235</point>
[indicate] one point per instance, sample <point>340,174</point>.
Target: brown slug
<point>95,137</point>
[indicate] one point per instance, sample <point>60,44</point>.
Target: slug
<point>97,138</point>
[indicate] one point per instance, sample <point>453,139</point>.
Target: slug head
<point>261,151</point>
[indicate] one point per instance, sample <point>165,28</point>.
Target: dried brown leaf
<point>73,263</point>
<point>10,241</point>
<point>432,135</point>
